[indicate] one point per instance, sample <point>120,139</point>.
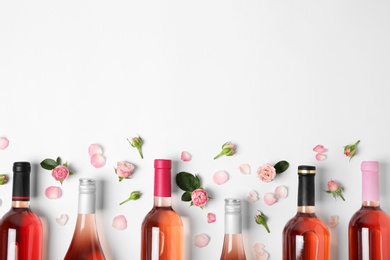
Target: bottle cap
<point>370,166</point>
<point>232,205</point>
<point>162,178</point>
<point>87,185</point>
<point>162,164</point>
<point>21,182</point>
<point>370,180</point>
<point>306,185</point>
<point>306,169</point>
<point>22,167</point>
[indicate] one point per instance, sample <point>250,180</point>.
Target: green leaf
<point>186,181</point>
<point>186,196</point>
<point>59,162</point>
<point>281,166</point>
<point>49,164</point>
<point>71,173</point>
<point>197,182</point>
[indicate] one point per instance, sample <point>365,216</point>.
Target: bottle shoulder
<point>370,216</point>
<point>161,216</point>
<point>303,222</point>
<point>20,217</point>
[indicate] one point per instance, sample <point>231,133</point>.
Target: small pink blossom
<point>185,156</point>
<point>220,177</point>
<point>319,149</point>
<point>269,199</point>
<point>98,160</point>
<point>228,149</point>
<point>53,192</point>
<point>281,192</point>
<point>201,240</point>
<point>244,168</point>
<point>320,156</point>
<point>266,172</point>
<point>199,197</point>
<point>260,253</point>
<point>333,221</point>
<point>60,173</point>
<point>3,143</point>
<point>119,223</point>
<point>94,149</point>
<point>335,189</point>
<point>62,220</point>
<point>211,218</point>
<point>332,186</point>
<point>350,150</point>
<point>252,196</point>
<point>124,170</point>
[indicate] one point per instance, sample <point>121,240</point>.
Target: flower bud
<point>350,150</point>
<point>262,220</point>
<point>137,143</point>
<point>135,195</point>
<point>3,179</point>
<point>332,186</point>
<point>228,149</point>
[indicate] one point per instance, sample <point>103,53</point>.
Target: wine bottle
<point>162,227</point>
<point>233,248</point>
<point>305,237</point>
<point>21,234</point>
<point>369,227</point>
<point>85,244</point>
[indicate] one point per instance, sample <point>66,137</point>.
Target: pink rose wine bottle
<point>233,248</point>
<point>21,234</point>
<point>369,227</point>
<point>162,228</point>
<point>305,237</point>
<point>85,243</point>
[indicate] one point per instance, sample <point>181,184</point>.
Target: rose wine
<point>21,234</point>
<point>233,248</point>
<point>85,243</point>
<point>369,227</point>
<point>305,237</point>
<point>162,228</point>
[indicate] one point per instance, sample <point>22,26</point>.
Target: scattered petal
<point>185,156</point>
<point>244,168</point>
<point>62,219</point>
<point>98,160</point>
<point>269,199</point>
<point>201,240</point>
<point>94,149</point>
<point>119,222</point>
<point>3,143</point>
<point>260,253</point>
<point>320,156</point>
<point>220,177</point>
<point>252,196</point>
<point>319,149</point>
<point>53,192</point>
<point>211,218</point>
<point>281,192</point>
<point>333,221</point>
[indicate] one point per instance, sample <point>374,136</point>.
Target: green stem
<point>220,154</point>
<point>124,201</point>
<point>140,152</point>
<point>266,227</point>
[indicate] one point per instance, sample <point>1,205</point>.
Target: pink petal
<point>3,143</point>
<point>94,149</point>
<point>269,199</point>
<point>320,156</point>
<point>244,168</point>
<point>201,240</point>
<point>98,160</point>
<point>319,149</point>
<point>211,218</point>
<point>53,192</point>
<point>62,219</point>
<point>119,222</point>
<point>185,157</point>
<point>220,177</point>
<point>252,196</point>
<point>333,221</point>
<point>260,253</point>
<point>281,192</point>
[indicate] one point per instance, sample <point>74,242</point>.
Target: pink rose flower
<point>266,172</point>
<point>60,173</point>
<point>332,186</point>
<point>124,170</point>
<point>335,189</point>
<point>199,197</point>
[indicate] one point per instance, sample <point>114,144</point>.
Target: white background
<point>274,77</point>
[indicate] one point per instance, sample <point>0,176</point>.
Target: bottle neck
<point>370,188</point>
<point>21,187</point>
<point>87,203</point>
<point>233,223</point>
<point>162,183</point>
<point>306,192</point>
<point>162,201</point>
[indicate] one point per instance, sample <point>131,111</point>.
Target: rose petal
<point>211,218</point>
<point>201,240</point>
<point>94,149</point>
<point>62,219</point>
<point>119,222</point>
<point>220,177</point>
<point>252,196</point>
<point>98,160</point>
<point>244,168</point>
<point>269,199</point>
<point>319,149</point>
<point>281,192</point>
<point>185,157</point>
<point>3,143</point>
<point>53,192</point>
<point>320,156</point>
<point>260,253</point>
<point>333,221</point>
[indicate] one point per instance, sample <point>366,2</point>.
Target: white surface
<point>274,77</point>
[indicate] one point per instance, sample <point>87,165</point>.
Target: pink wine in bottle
<point>21,234</point>
<point>369,227</point>
<point>162,228</point>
